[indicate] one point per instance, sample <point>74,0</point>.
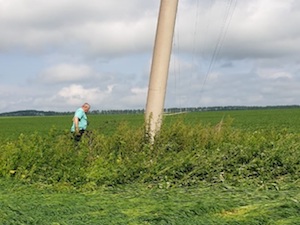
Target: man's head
<point>86,107</point>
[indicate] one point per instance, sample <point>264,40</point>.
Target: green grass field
<point>243,119</point>
<point>223,167</point>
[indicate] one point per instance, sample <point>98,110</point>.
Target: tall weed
<point>182,154</point>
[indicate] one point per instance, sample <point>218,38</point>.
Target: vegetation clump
<point>182,155</point>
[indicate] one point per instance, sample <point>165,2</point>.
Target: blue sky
<point>55,55</point>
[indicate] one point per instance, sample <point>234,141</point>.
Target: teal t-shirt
<point>80,114</point>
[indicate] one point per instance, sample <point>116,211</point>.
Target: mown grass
<point>140,204</point>
<point>204,168</point>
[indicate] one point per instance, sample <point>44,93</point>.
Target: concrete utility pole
<point>160,65</point>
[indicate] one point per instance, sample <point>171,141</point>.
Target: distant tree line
<point>141,111</point>
<point>226,108</point>
<point>33,113</point>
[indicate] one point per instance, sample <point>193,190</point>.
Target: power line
<point>226,22</point>
<point>230,8</point>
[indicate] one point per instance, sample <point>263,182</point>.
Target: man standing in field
<point>80,121</point>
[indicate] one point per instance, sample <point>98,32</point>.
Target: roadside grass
<point>141,204</point>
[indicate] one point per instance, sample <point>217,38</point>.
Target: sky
<point>55,55</point>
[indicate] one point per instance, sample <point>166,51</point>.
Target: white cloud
<point>77,94</point>
<point>66,73</point>
<point>139,91</point>
<point>274,74</point>
<point>99,26</point>
<point>135,99</point>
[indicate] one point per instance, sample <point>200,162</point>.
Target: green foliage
<point>183,154</point>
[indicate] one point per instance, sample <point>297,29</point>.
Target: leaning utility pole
<point>160,65</point>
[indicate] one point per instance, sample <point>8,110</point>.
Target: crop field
<point>289,119</point>
<point>221,167</point>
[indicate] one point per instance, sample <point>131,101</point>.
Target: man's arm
<point>76,123</point>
